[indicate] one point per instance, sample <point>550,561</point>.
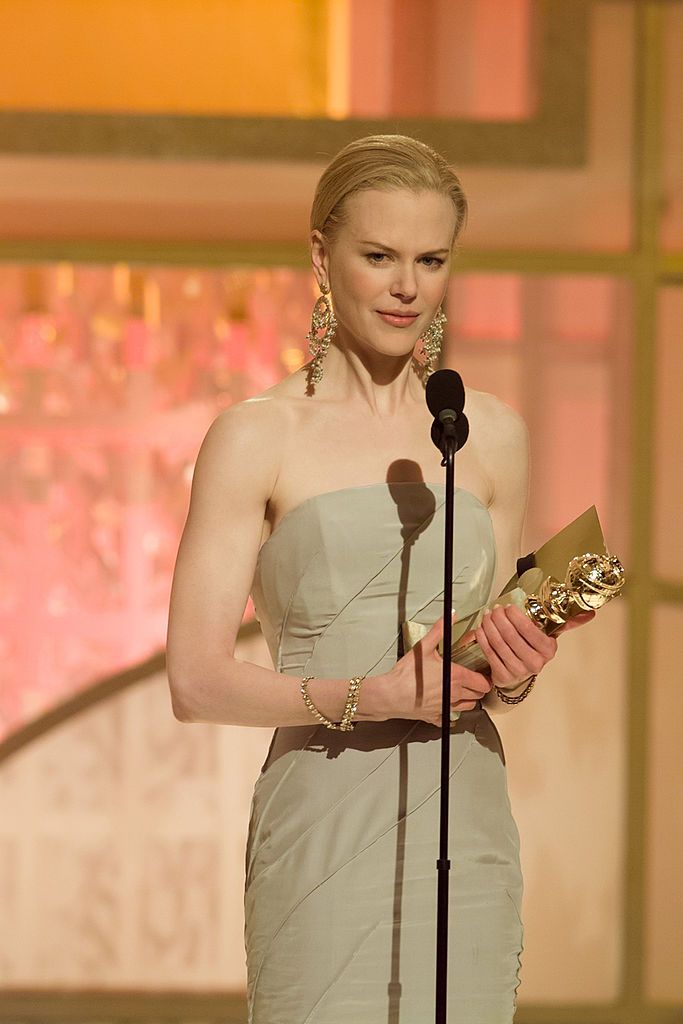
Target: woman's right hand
<point>414,684</point>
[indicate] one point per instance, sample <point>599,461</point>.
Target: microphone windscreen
<point>445,390</point>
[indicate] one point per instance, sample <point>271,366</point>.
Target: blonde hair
<point>384,162</point>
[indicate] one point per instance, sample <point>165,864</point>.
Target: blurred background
<point>157,163</point>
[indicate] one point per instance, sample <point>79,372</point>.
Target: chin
<point>391,351</point>
<point>397,344</point>
<point>379,343</point>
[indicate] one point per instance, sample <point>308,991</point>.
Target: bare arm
<point>507,457</point>
<point>233,478</point>
<point>513,645</point>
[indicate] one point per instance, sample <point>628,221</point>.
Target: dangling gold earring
<point>431,347</point>
<point>323,326</point>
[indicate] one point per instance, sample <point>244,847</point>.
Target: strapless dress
<point>340,896</point>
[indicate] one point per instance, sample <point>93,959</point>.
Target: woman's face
<point>387,267</point>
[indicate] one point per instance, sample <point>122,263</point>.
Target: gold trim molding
<point>557,136</point>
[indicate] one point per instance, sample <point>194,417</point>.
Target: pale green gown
<point>340,901</point>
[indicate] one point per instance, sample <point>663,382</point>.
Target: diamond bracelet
<point>346,724</point>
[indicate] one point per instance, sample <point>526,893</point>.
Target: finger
<point>470,692</point>
<point>467,693</point>
<point>498,669</point>
<point>532,658</point>
<point>533,634</point>
<point>513,662</point>
<point>462,677</point>
<point>433,638</point>
<point>576,620</point>
<point>534,649</point>
<point>465,705</point>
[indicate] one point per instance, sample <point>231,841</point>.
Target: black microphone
<point>445,394</point>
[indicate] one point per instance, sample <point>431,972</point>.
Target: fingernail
<point>487,611</point>
<point>497,606</point>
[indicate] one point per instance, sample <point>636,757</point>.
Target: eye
<point>376,257</point>
<point>432,261</point>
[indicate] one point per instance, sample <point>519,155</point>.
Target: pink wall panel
<point>668,454</point>
<point>109,380</point>
<point>440,58</point>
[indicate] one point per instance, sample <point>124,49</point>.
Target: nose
<point>404,284</point>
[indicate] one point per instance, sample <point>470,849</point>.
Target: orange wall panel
<point>170,56</point>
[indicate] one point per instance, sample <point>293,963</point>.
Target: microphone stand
<point>445,395</point>
<point>449,447</point>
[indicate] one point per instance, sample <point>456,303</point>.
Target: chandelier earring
<point>323,326</point>
<point>430,342</point>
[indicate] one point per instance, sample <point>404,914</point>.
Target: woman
<point>324,497</point>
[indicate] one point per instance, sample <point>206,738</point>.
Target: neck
<point>383,384</point>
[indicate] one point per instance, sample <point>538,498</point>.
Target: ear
<point>320,257</point>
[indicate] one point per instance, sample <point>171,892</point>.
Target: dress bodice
<point>344,569</point>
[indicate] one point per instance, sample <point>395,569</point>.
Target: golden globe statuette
<point>590,581</point>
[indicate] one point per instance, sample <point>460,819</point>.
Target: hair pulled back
<point>383,162</point>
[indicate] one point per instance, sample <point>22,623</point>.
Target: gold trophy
<point>553,584</point>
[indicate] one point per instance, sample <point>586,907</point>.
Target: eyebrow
<point>379,245</point>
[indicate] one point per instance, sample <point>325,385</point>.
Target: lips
<point>397,319</point>
<point>397,312</point>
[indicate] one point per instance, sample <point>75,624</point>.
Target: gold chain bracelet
<point>520,696</point>
<point>346,724</point>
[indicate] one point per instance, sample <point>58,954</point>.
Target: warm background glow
<point>303,58</point>
<point>175,56</point>
<point>144,290</point>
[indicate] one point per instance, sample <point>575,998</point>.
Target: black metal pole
<point>443,864</point>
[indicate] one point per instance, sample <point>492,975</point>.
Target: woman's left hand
<point>515,647</point>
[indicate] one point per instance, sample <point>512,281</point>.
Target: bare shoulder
<point>241,450</point>
<point>501,437</point>
<point>495,424</point>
